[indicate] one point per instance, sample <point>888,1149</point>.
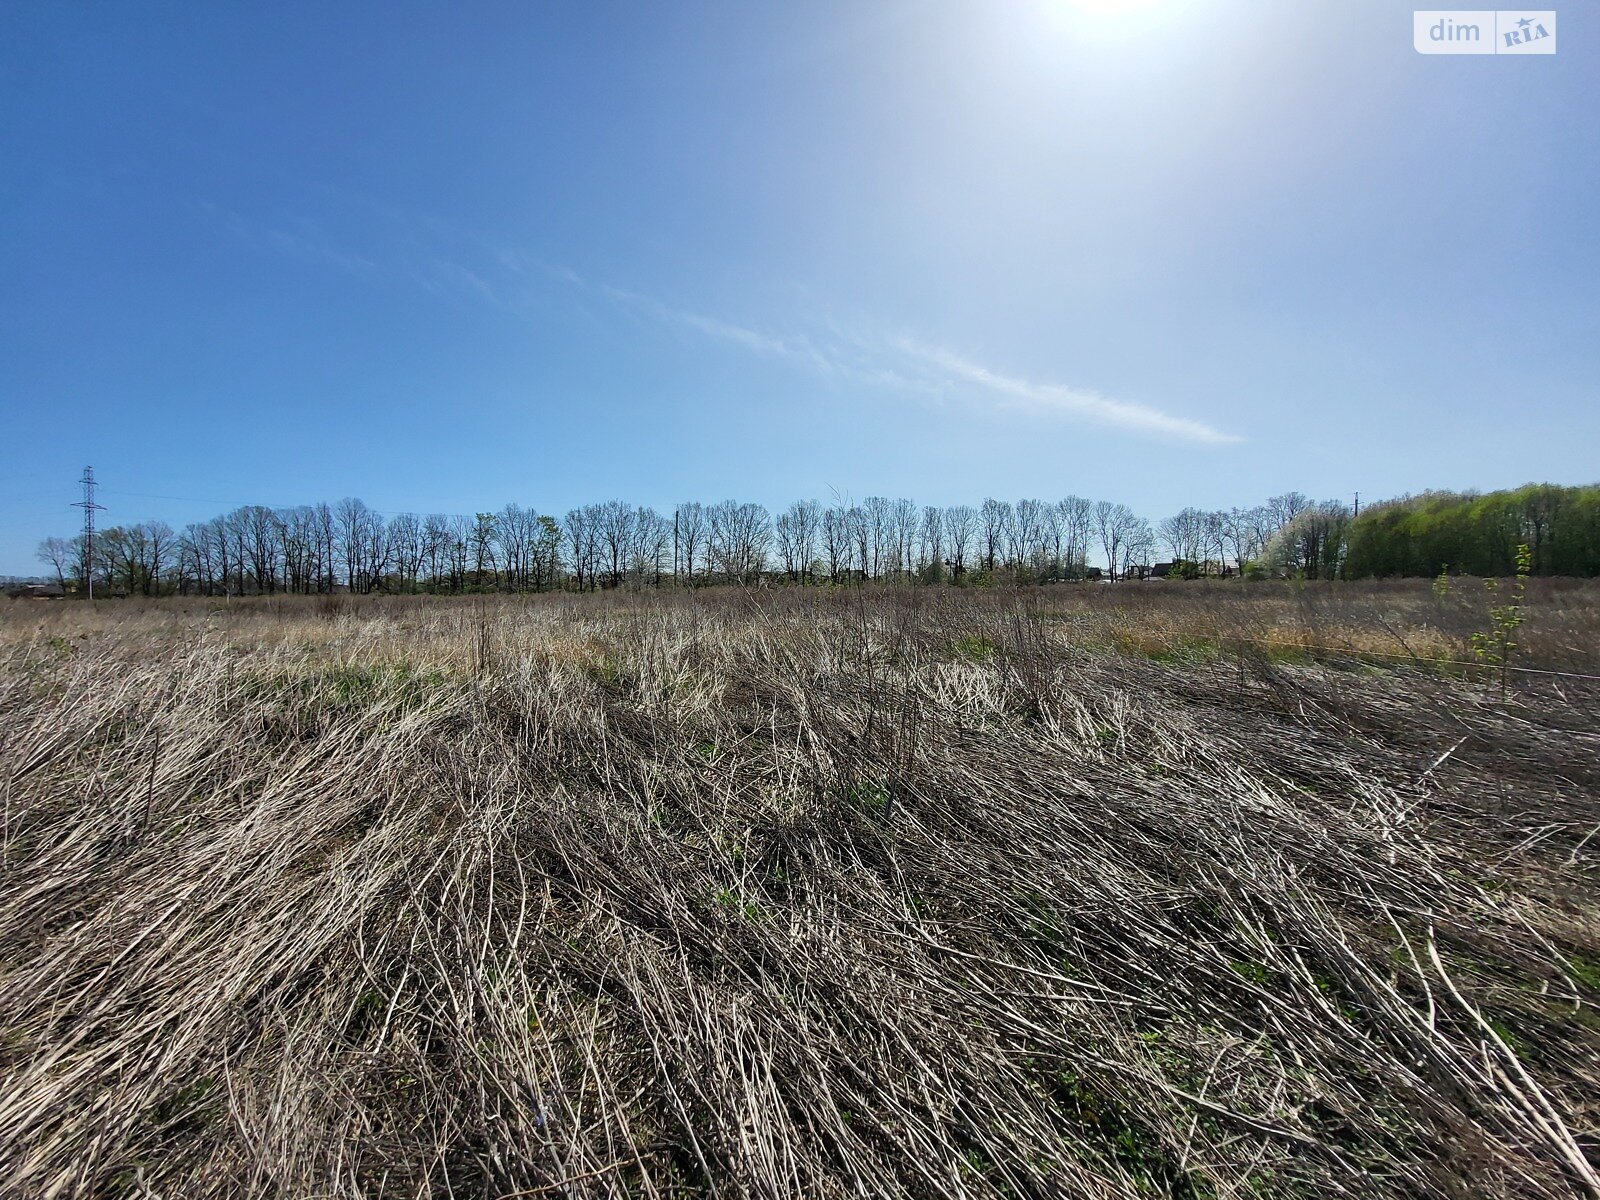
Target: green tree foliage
<point>1479,534</point>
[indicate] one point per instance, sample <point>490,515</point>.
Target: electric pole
<point>89,509</point>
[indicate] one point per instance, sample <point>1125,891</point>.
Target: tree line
<point>1474,534</point>
<point>324,548</point>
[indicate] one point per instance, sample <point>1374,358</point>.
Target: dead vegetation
<point>1073,892</point>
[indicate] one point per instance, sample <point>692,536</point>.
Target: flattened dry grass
<point>781,895</point>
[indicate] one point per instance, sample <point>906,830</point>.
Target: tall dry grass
<point>1016,894</point>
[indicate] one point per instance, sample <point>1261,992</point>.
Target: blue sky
<point>444,257</point>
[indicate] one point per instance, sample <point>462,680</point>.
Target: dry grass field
<point>1147,890</point>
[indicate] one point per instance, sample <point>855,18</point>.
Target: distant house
<point>1093,574</point>
<point>36,591</point>
<point>1161,570</point>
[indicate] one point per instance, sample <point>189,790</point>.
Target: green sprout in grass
<point>1493,646</point>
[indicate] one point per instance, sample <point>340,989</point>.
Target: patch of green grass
<point>975,647</point>
<point>1286,654</point>
<point>1585,970</point>
<point>1163,647</point>
<point>346,686</point>
<point>188,1109</point>
<point>1041,919</point>
<point>869,795</point>
<point>1114,1133</point>
<point>1253,971</point>
<point>1508,1035</point>
<point>1189,649</point>
<point>605,673</point>
<point>731,900</point>
<point>1331,990</point>
<point>973,1163</point>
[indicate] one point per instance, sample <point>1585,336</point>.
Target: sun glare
<point>1112,18</point>
<point>1108,8</point>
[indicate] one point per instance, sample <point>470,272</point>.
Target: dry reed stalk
<point>782,895</point>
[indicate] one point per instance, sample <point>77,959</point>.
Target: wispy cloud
<point>465,279</point>
<point>305,241</point>
<point>1059,400</point>
<point>749,339</point>
<point>908,364</point>
<point>455,261</point>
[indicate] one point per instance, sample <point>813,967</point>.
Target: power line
<point>89,509</point>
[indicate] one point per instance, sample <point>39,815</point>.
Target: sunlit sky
<point>443,257</point>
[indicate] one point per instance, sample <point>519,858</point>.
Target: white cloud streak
<point>862,354</point>
<point>1054,399</point>
<point>308,243</point>
<point>908,364</point>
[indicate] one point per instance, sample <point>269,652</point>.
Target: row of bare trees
<point>323,547</point>
<point>1217,541</point>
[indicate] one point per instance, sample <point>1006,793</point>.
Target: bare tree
<point>1184,534</point>
<point>517,530</point>
<point>459,547</point>
<point>1280,510</point>
<point>860,539</point>
<point>547,558</point>
<point>1114,524</point>
<point>614,525</point>
<point>1138,547</point>
<point>930,553</point>
<point>60,555</point>
<point>1241,534</point>
<point>837,541</point>
<point>902,537</point>
<point>1313,542</point>
<point>996,521</point>
<point>647,545</point>
<point>297,548</point>
<point>877,514</point>
<point>158,542</point>
<point>485,543</point>
<point>1029,524</point>
<point>688,540</point>
<point>796,531</point>
<point>583,544</point>
<point>406,544</point>
<point>436,547</point>
<point>740,535</point>
<point>960,529</point>
<point>194,558</point>
<point>350,516</point>
<point>1075,516</point>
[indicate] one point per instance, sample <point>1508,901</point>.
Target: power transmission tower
<point>89,509</point>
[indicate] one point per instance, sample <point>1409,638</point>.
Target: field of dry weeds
<point>1157,890</point>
